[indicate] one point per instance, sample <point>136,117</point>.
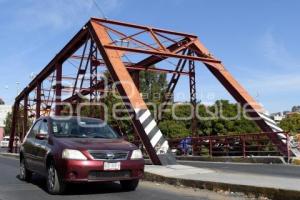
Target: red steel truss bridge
<point>124,50</point>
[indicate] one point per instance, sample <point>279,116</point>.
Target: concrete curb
<point>11,155</point>
<point>272,193</point>
<point>236,159</point>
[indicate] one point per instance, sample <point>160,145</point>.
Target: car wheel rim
<point>51,177</point>
<point>22,170</point>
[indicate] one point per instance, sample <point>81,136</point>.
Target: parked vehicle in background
<point>79,150</point>
<point>5,142</point>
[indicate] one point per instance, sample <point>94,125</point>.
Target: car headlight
<point>136,154</point>
<point>71,154</point>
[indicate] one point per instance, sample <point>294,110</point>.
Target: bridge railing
<point>256,144</point>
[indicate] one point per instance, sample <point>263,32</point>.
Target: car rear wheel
<point>129,185</point>
<point>55,185</point>
<point>25,174</point>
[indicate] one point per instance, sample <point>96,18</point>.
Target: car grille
<point>109,155</point>
<point>95,175</point>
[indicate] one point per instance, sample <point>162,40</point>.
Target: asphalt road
<point>11,188</point>
<point>280,170</point>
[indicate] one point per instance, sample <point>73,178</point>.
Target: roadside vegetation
<point>291,123</point>
<point>220,118</point>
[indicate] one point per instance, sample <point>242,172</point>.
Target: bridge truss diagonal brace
<point>148,130</point>
<point>253,108</point>
<point>226,79</point>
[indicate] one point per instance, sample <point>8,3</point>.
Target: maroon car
<point>78,149</point>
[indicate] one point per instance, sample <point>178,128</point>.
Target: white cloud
<point>278,73</point>
<point>58,14</point>
<point>34,18</point>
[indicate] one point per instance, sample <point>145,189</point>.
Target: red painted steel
<point>111,54</point>
<point>25,118</point>
<point>119,73</point>
<point>58,89</point>
<point>233,145</point>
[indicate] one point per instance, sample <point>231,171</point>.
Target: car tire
<point>55,185</point>
<point>25,174</point>
<point>129,185</point>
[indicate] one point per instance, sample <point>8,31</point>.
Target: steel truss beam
<point>193,98</point>
<point>104,38</point>
<point>172,84</point>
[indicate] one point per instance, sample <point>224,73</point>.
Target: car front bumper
<point>93,171</point>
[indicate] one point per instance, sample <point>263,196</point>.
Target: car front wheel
<point>54,183</point>
<point>25,174</point>
<point>129,185</point>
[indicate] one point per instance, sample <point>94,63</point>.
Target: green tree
<point>174,129</point>
<point>7,123</point>
<point>152,85</point>
<point>223,118</point>
<point>291,123</point>
<point>19,126</point>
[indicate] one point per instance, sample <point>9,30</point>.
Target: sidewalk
<point>258,185</point>
<point>236,159</point>
<point>12,155</point>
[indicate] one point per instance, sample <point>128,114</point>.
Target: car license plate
<point>112,166</point>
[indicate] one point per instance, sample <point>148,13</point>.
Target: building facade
<point>4,110</point>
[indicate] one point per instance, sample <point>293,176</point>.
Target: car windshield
<point>82,128</point>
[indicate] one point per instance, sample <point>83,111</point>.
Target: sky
<point>258,40</point>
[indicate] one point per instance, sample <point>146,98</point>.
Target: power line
<point>99,9</point>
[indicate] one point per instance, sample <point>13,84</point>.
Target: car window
<point>44,127</point>
<point>86,128</point>
<point>34,129</point>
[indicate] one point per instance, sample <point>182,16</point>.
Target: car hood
<point>95,144</point>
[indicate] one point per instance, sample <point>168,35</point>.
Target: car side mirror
<point>41,136</point>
